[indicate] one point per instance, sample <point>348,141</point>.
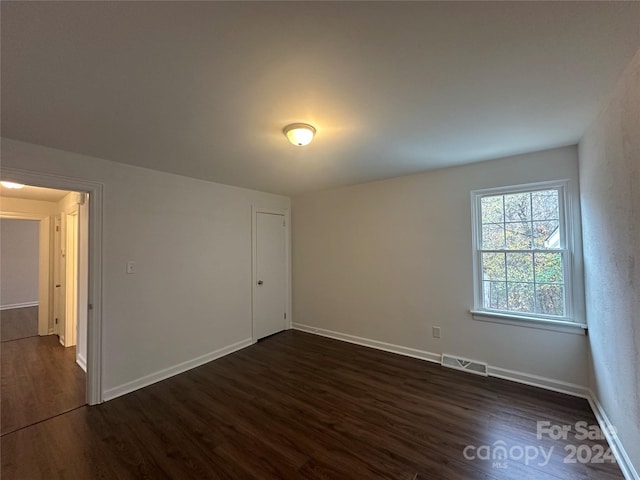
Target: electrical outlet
<point>436,332</point>
<point>131,267</point>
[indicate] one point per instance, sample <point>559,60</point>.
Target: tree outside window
<point>520,251</point>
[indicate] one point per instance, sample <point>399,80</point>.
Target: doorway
<point>19,295</point>
<point>90,277</point>
<point>270,272</point>
<point>42,375</point>
<point>69,262</point>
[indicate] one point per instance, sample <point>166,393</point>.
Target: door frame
<point>94,288</point>
<point>254,255</point>
<point>59,270</point>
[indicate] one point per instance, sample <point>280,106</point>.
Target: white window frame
<point>566,323</point>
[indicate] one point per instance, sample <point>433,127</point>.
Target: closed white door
<point>270,289</point>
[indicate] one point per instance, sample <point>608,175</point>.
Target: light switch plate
<point>131,267</point>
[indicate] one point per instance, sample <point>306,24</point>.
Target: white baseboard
<point>538,381</point>
<point>82,362</point>
<point>628,470</point>
<point>19,305</point>
<point>155,377</point>
<point>387,347</point>
<point>519,377</point>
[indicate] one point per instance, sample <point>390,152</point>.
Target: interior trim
<point>168,372</point>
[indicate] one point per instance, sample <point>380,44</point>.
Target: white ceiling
<point>204,89</point>
<point>33,193</point>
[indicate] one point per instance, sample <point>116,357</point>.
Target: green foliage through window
<point>521,252</point>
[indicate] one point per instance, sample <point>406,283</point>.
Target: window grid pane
<point>523,265</point>
<point>529,219</point>
<point>524,282</point>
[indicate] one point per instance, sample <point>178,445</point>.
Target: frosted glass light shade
<point>299,134</point>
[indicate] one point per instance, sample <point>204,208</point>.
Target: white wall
<point>191,240</point>
<point>36,209</point>
<point>388,260</point>
<point>18,262</point>
<point>20,206</point>
<point>610,194</point>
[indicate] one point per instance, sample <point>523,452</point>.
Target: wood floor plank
<point>39,378</point>
<point>301,406</point>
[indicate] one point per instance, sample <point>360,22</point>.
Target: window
<point>522,252</point>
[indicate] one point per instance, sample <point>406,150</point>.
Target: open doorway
<point>94,284</point>
<point>19,258</point>
<point>44,303</point>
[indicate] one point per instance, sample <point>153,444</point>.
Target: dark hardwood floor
<point>18,323</point>
<point>302,406</point>
<point>39,378</point>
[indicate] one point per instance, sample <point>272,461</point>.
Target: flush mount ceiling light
<point>12,185</point>
<point>299,134</point>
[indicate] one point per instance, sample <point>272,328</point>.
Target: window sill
<point>530,322</point>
